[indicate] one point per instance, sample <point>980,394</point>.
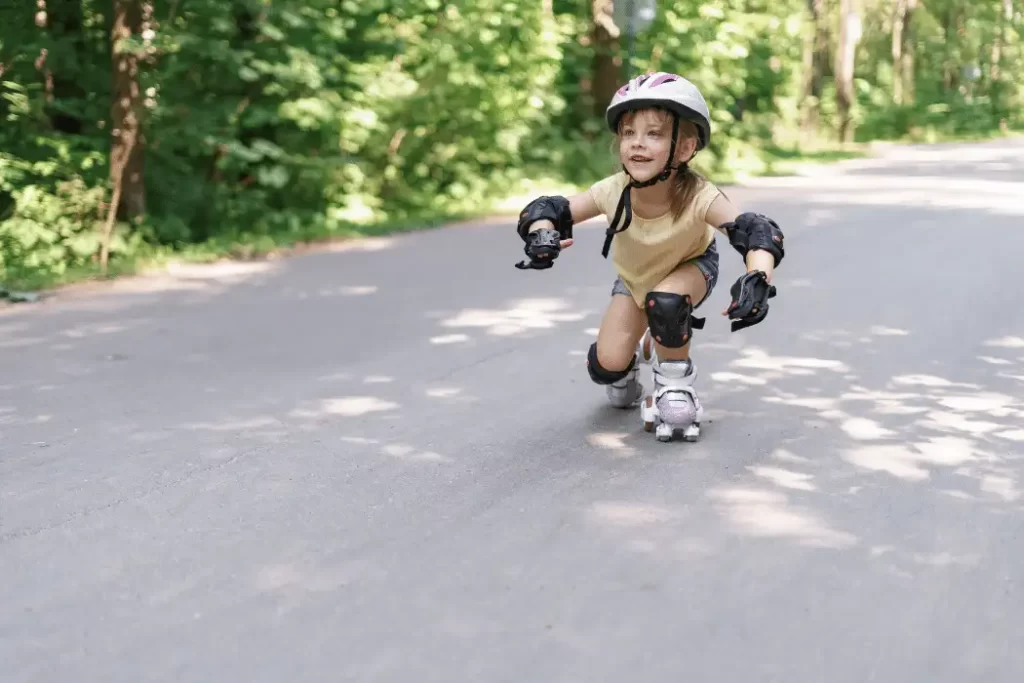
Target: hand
<point>750,294</point>
<point>540,225</point>
<point>543,246</point>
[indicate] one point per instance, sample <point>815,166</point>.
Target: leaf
<point>274,176</point>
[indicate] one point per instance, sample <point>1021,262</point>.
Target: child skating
<point>662,219</point>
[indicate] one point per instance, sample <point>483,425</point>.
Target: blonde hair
<point>685,183</point>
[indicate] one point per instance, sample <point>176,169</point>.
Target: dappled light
<point>519,317</point>
<point>367,244</point>
<point>444,392</point>
<point>221,270</point>
<point>800,481</point>
<point>9,417</point>
<point>183,277</point>
<point>240,425</point>
<point>397,450</point>
<point>21,342</point>
<point>449,339</point>
<point>350,406</point>
<point>293,585</point>
<point>613,442</point>
<point>89,330</point>
<point>351,291</point>
<point>952,426</point>
<point>406,452</point>
<point>954,438</point>
<point>328,292</point>
<point>629,514</point>
<point>1007,342</point>
<point>910,462</point>
<point>779,366</point>
<point>770,514</point>
<point>882,331</point>
<point>865,429</point>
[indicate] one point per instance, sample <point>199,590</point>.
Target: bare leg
<point>686,279</point>
<point>673,405</point>
<point>621,328</point>
<point>612,360</point>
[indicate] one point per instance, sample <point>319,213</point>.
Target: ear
<point>686,148</point>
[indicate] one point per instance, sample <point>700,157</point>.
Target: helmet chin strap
<point>625,205</point>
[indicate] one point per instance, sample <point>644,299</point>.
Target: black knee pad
<point>670,318</point>
<point>599,374</point>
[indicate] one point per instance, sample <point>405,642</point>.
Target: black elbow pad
<point>554,209</point>
<point>751,231</point>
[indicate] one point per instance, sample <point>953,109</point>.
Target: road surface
<point>385,461</point>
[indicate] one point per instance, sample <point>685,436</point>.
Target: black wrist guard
<point>542,247</point>
<point>750,294</point>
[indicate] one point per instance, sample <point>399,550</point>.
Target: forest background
<point>138,131</point>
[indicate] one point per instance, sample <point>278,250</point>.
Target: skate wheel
<point>692,433</point>
<point>664,432</point>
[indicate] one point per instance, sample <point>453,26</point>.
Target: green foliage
<point>267,123</point>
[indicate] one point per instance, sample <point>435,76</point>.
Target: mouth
<point>637,159</point>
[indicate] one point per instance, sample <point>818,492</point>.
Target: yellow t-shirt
<point>646,252</point>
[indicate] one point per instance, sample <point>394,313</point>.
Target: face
<point>645,140</point>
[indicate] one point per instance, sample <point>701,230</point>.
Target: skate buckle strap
<point>661,391</point>
<point>667,383</point>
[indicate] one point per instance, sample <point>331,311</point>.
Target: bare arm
<point>723,211</point>
<point>583,207</point>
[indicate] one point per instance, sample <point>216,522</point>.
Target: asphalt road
<point>385,461</point>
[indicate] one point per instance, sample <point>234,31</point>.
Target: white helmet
<point>669,91</point>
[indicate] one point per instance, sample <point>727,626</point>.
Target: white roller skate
<point>627,392</point>
<point>673,406</point>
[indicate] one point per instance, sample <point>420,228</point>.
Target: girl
<point>665,254</point>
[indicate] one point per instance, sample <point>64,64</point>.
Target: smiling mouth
<point>640,159</point>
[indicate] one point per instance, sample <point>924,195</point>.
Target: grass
<point>150,259</point>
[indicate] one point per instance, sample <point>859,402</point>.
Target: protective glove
<point>750,294</point>
<point>542,248</point>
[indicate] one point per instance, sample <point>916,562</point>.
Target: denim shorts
<point>707,263</point>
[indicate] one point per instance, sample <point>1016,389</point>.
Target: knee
<point>606,368</point>
<point>669,317</point>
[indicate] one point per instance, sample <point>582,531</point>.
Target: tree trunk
<point>903,52</point>
<point>1003,22</point>
<point>899,16</point>
<point>846,51</point>
<point>951,66</point>
<point>604,35</point>
<point>907,60</point>
<point>66,28</point>
<point>815,61</point>
<point>127,141</point>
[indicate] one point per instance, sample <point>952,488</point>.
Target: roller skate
<point>645,348</point>
<point>673,407</point>
<point>627,392</point>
